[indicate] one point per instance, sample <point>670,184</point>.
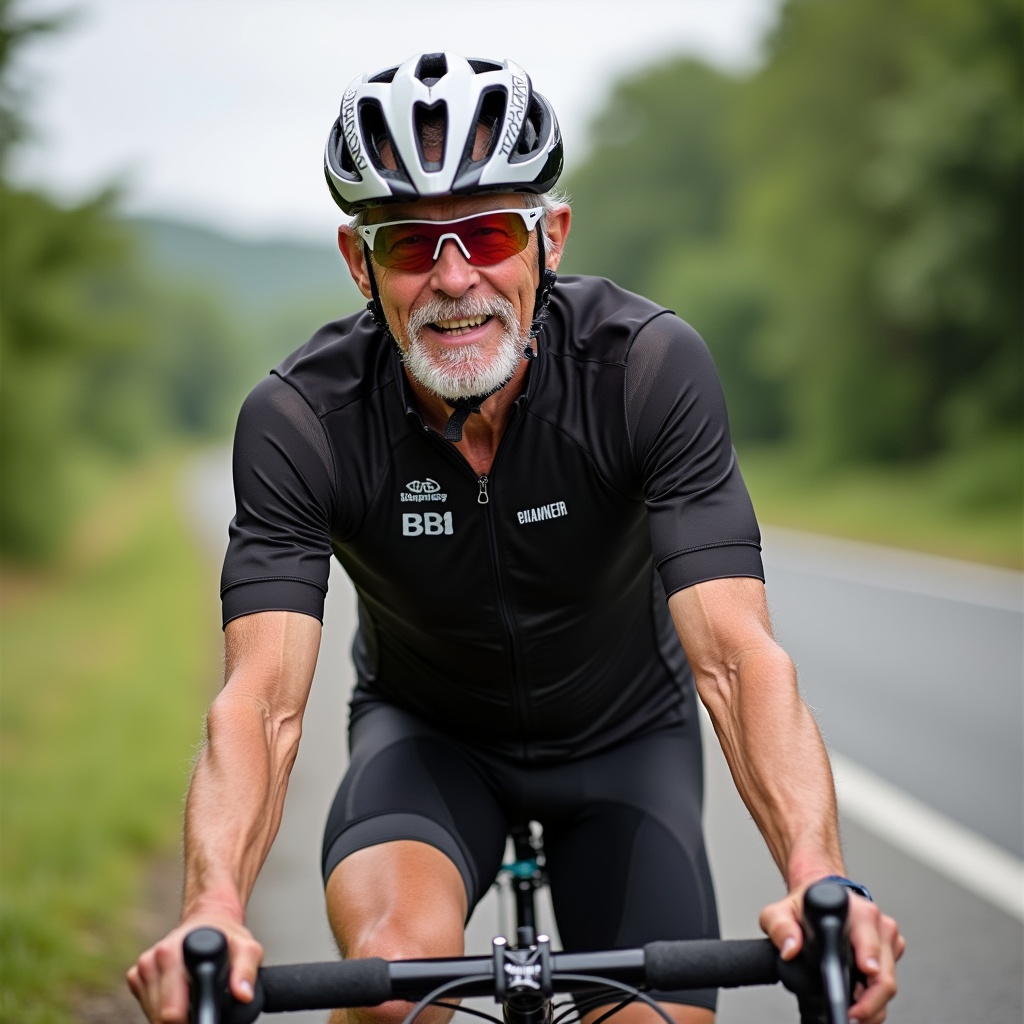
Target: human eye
<point>403,239</point>
<point>490,230</point>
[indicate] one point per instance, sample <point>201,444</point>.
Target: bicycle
<point>524,978</point>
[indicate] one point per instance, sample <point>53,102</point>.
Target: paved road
<point>965,959</point>
<point>914,666</point>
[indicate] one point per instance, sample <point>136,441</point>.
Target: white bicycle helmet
<point>387,110</point>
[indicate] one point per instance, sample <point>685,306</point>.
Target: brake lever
<point>822,977</point>
<point>826,905</point>
<point>206,960</point>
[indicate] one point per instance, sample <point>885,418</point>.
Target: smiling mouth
<point>461,326</point>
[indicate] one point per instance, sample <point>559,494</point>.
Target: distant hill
<point>270,296</point>
<point>257,276</point>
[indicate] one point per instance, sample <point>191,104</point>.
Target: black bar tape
<point>709,963</point>
<point>325,986</point>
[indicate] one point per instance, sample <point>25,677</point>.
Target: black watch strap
<point>860,890</point>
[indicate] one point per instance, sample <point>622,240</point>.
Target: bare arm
<point>780,767</point>
<point>769,737</point>
<point>236,798</point>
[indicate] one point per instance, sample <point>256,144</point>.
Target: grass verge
<point>968,507</point>
<point>101,697</point>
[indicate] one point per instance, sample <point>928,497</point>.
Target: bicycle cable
<point>429,998</point>
<point>585,1005</point>
<point>630,990</point>
<point>469,1009</point>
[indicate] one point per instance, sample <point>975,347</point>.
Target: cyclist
<point>533,490</point>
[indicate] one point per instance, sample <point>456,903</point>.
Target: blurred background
<point>829,191</point>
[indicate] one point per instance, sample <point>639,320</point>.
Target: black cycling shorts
<point>622,828</point>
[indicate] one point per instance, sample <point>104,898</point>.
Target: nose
<point>452,273</point>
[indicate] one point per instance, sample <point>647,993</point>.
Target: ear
<point>558,222</point>
<point>351,248</point>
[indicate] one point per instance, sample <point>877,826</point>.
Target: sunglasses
<point>484,238</point>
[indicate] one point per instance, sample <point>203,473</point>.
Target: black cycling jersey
<point>525,609</point>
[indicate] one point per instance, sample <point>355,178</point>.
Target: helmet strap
<point>374,306</point>
<point>548,280</point>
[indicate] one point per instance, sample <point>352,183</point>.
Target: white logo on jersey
<point>536,515</point>
<point>423,490</point>
<point>426,524</point>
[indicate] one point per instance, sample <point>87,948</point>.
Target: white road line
<point>913,827</point>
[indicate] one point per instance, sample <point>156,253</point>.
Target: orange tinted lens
<point>489,239</point>
<point>493,237</point>
<point>408,247</point>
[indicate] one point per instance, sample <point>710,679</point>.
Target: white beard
<point>465,371</point>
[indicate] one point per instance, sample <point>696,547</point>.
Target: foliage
<point>67,308</point>
<point>884,195</point>
<point>656,173</point>
<point>844,225</point>
<point>96,731</point>
<point>15,31</point>
<point>97,358</point>
<point>965,504</point>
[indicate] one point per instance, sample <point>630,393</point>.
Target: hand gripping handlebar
<point>820,977</point>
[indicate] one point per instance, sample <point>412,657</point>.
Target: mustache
<point>445,308</point>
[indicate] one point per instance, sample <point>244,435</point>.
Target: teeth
<point>454,325</point>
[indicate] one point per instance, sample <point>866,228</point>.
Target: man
<point>534,493</point>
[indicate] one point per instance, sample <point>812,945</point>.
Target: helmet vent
<point>387,75</point>
<point>431,67</point>
<point>431,133</point>
<point>481,67</point>
<point>490,114</point>
<point>383,153</point>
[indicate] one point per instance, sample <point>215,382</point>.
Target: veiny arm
<point>235,799</point>
<point>780,767</point>
<point>769,737</point>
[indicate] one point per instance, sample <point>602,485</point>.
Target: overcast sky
<point>217,110</point>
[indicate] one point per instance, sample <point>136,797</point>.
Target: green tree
<point>67,306</point>
<point>96,361</point>
<point>883,161</point>
<point>654,206</point>
<point>843,225</point>
<point>656,174</point>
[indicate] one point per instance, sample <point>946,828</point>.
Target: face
<point>462,329</point>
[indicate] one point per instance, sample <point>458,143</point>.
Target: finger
<point>172,998</point>
<point>246,957</point>
<point>146,978</point>
<point>781,923</point>
<point>134,983</point>
<point>880,986</point>
<point>865,936</point>
<point>872,1003</point>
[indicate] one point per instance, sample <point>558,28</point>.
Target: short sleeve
<point>279,546</point>
<point>701,518</point>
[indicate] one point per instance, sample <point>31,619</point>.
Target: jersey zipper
<point>507,619</point>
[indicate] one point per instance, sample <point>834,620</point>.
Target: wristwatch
<point>860,890</point>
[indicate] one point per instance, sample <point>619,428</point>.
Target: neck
<point>482,431</point>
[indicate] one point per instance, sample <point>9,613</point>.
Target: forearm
<point>238,788</point>
<point>777,759</point>
<point>235,802</point>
